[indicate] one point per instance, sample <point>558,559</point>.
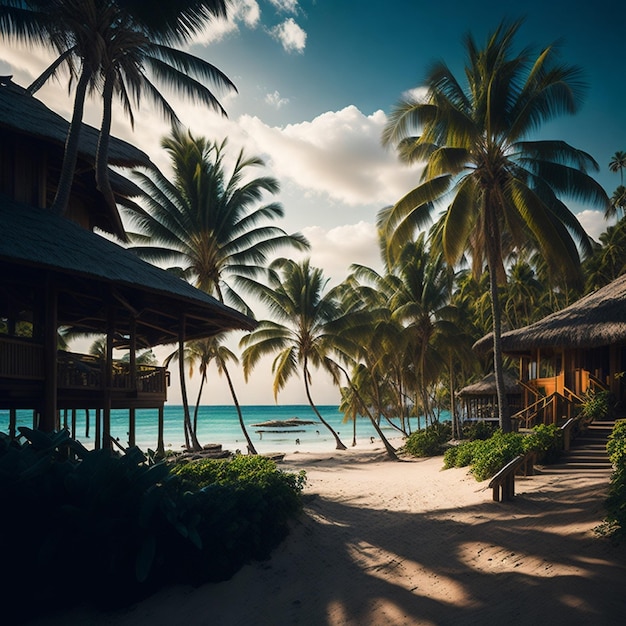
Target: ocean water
<point>220,424</point>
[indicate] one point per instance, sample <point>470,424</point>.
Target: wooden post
<point>133,380</point>
<point>48,417</point>
<point>160,451</point>
<point>108,378</point>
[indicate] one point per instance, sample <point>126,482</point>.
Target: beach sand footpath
<point>406,543</point>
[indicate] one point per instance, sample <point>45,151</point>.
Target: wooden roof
<point>598,319</point>
<point>487,386</point>
<point>23,113</point>
<point>92,272</point>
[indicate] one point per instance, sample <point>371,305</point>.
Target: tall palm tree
<point>617,206</point>
<point>116,47</point>
<point>299,340</point>
<point>483,171</point>
<point>206,224</point>
<point>618,164</point>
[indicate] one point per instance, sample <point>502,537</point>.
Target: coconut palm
<point>206,224</point>
<point>618,164</point>
<point>617,206</point>
<point>482,169</point>
<point>116,47</point>
<point>299,340</point>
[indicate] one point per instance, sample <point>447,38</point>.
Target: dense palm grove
<point>485,242</point>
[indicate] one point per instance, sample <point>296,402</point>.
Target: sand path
<point>384,543</point>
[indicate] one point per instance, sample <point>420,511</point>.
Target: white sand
<point>385,543</point>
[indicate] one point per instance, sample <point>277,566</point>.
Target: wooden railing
<point>549,409</point>
<point>21,358</point>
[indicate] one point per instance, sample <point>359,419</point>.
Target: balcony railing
<point>22,359</point>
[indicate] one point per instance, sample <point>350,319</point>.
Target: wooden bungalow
<point>572,351</point>
<point>479,401</point>
<point>55,273</point>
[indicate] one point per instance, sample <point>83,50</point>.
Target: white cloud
<point>246,12</point>
<point>334,250</point>
<point>274,100</point>
<point>290,35</point>
<point>288,6</point>
<point>337,154</point>
<point>593,222</point>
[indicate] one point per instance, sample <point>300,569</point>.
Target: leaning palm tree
<point>295,298</point>
<point>481,168</point>
<point>207,224</point>
<point>116,47</point>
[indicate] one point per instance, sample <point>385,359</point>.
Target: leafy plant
<point>597,405</point>
<point>429,442</point>
<point>615,523</point>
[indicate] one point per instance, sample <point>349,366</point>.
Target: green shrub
<point>597,405</point>
<point>429,442</point>
<point>546,441</point>
<point>114,528</point>
<point>616,501</point>
<point>479,430</point>
<point>494,453</point>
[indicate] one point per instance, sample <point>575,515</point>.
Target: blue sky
<point>317,78</point>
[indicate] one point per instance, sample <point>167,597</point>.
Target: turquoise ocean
<point>220,424</point>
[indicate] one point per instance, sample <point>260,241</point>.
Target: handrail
<point>596,383</point>
<point>503,483</point>
<point>534,390</point>
<point>571,396</point>
<point>566,429</point>
<point>532,409</point>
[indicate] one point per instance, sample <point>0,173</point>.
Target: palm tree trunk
<point>191,441</point>
<point>391,451</point>
<point>504,416</point>
<point>102,154</point>
<point>197,407</point>
<point>339,444</point>
<point>251,448</point>
<point>70,155</point>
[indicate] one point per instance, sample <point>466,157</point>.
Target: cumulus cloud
<point>335,249</point>
<point>338,154</point>
<point>246,12</point>
<point>593,222</point>
<point>290,35</point>
<point>275,100</point>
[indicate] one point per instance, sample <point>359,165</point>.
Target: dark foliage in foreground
<point>90,526</point>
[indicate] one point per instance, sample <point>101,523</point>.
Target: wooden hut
<point>55,272</point>
<point>479,400</point>
<point>569,352</point>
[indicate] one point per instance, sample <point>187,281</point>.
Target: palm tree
<point>299,339</point>
<point>203,352</point>
<point>205,225</point>
<point>617,204</point>
<point>107,46</point>
<point>494,182</point>
<point>618,164</point>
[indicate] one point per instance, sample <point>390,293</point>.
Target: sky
<point>316,81</point>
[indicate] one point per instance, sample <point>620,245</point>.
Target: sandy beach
<point>403,543</point>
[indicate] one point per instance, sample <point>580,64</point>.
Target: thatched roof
<point>22,112</point>
<point>598,319</point>
<point>37,245</point>
<point>487,386</point>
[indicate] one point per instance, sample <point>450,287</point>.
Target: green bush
<point>597,405</point>
<point>616,501</point>
<point>546,441</point>
<point>479,430</point>
<point>429,442</point>
<point>114,528</point>
<point>494,453</point>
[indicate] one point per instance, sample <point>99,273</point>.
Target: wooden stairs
<point>587,454</point>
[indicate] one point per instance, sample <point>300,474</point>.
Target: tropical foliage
<point>499,191</point>
<point>116,48</point>
<point>145,524</point>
